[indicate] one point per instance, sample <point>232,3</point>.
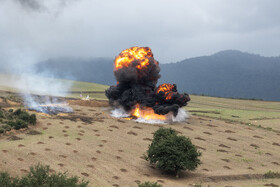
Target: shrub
<point>271,175</point>
<point>32,119</point>
<point>5,180</point>
<point>1,114</point>
<point>18,124</point>
<point>24,116</point>
<point>17,112</point>
<point>17,119</point>
<point>2,130</point>
<point>10,117</point>
<point>172,153</point>
<point>149,184</point>
<point>40,176</point>
<point>6,127</point>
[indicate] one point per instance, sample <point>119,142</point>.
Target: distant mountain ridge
<point>229,73</point>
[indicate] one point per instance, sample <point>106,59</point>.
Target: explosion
<point>166,89</point>
<point>137,73</point>
<point>129,55</point>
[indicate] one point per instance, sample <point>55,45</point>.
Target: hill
<point>98,70</point>
<point>228,73</point>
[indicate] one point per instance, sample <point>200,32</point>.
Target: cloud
<point>42,29</point>
<point>42,5</point>
<point>30,4</point>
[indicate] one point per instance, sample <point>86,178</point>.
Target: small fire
<point>146,113</point>
<point>167,89</point>
<point>126,57</point>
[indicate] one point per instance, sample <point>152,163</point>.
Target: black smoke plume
<point>136,83</point>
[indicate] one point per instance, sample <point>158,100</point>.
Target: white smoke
<point>181,116</point>
<point>119,113</point>
<point>23,78</point>
<point>170,118</point>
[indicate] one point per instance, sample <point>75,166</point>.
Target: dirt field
<point>109,152</point>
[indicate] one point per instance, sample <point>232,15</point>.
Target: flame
<point>126,57</point>
<point>166,89</point>
<point>146,113</point>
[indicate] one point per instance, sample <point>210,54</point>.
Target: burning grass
<point>46,104</point>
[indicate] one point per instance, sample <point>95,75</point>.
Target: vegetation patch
<point>33,132</point>
<point>14,138</point>
<point>15,119</point>
<point>75,118</point>
<point>271,175</point>
<point>41,176</point>
<point>149,184</point>
<point>203,111</point>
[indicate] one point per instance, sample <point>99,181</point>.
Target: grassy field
<point>107,151</point>
<point>239,141</point>
<point>263,114</point>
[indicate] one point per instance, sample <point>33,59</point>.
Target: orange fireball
<point>167,89</point>
<point>146,113</point>
<point>139,54</point>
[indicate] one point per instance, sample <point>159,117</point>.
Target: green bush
<point>24,116</point>
<point>149,184</point>
<point>10,117</point>
<point>271,175</point>
<point>40,176</point>
<point>5,180</point>
<point>1,114</point>
<point>18,124</point>
<point>32,119</point>
<point>2,130</point>
<point>172,153</point>
<point>7,127</point>
<point>17,119</point>
<point>17,112</point>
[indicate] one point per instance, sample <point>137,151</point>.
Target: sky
<point>35,30</point>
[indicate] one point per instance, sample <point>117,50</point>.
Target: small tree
<point>172,153</point>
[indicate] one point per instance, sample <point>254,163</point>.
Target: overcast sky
<point>34,30</point>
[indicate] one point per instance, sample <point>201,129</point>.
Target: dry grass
<point>109,151</point>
